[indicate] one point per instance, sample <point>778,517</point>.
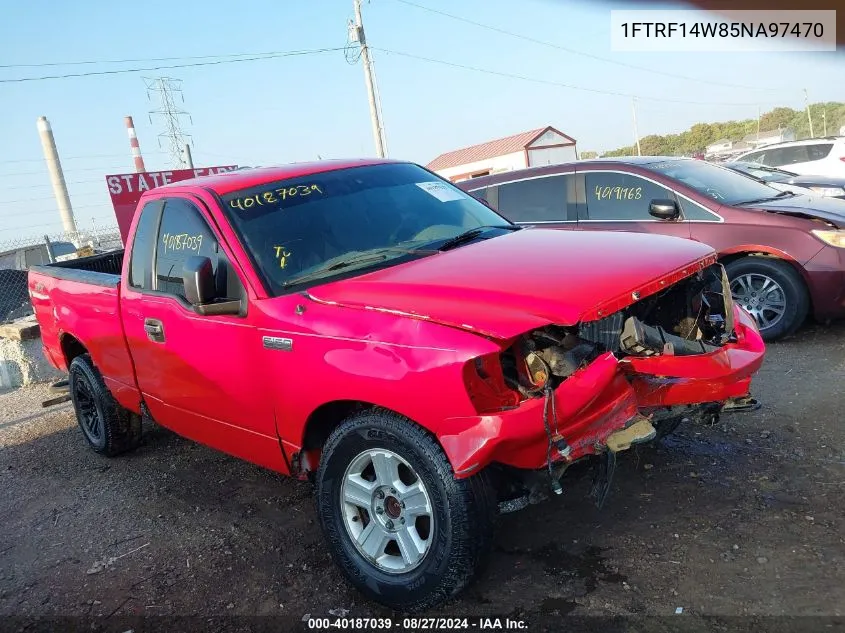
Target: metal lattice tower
<point>169,91</point>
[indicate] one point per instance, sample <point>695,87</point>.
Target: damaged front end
<point>560,394</point>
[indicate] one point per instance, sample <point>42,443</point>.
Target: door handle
<point>154,329</point>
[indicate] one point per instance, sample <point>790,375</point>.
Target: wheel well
<point>326,418</point>
<point>320,424</point>
<point>71,348</point>
<point>727,259</point>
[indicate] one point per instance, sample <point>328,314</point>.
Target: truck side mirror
<point>201,289</point>
<point>198,277</point>
<point>664,209</point>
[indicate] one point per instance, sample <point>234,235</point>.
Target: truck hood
<point>830,209</point>
<point>511,284</point>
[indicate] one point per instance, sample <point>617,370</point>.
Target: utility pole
<point>189,161</point>
<point>57,177</point>
<point>824,122</point>
<point>809,118</point>
<point>370,80</point>
<point>167,89</point>
<point>758,123</point>
<point>133,145</point>
<point>636,133</point>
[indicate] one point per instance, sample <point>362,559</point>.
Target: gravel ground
<point>742,518</point>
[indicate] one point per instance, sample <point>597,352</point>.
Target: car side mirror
<point>198,277</point>
<point>664,209</point>
<point>201,289</point>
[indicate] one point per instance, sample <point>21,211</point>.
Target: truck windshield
<point>719,183</point>
<point>353,220</point>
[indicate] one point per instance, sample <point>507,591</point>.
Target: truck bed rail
<point>100,270</point>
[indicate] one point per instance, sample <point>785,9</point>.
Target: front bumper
<point>826,281</point>
<point>602,398</point>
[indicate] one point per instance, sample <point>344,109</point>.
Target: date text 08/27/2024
<point>417,623</point>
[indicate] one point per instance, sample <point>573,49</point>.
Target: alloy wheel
<point>87,412</point>
<point>387,511</point>
<point>761,296</point>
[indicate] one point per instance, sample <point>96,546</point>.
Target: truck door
<point>198,375</point>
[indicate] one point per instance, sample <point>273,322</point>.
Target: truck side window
<point>141,265</point>
<point>183,233</point>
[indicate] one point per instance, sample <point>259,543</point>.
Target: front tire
<point>107,427</point>
<point>403,530</point>
<point>773,293</point>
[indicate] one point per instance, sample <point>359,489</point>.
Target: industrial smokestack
<point>57,178</point>
<point>133,144</point>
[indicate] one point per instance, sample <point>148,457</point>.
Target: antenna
<point>169,89</point>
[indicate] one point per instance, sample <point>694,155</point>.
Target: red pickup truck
<point>369,326</point>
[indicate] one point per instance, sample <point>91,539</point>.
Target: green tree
<point>700,135</point>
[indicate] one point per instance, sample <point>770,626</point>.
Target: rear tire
<point>446,523</point>
<point>107,427</point>
<point>772,291</point>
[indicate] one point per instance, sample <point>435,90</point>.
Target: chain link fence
<point>18,255</point>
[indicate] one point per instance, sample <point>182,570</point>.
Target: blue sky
<point>296,108</point>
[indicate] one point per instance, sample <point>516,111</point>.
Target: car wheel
<point>108,428</point>
<point>403,530</point>
<point>773,293</point>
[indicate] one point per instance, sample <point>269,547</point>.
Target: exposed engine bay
<point>694,316</point>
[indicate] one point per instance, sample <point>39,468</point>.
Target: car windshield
<point>769,174</point>
<point>352,220</point>
<point>719,183</point>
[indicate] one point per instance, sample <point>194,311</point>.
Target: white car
<point>818,156</point>
<point>783,180</point>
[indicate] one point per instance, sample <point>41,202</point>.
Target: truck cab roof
<point>230,181</point>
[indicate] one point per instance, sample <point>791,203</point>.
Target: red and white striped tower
<point>133,143</point>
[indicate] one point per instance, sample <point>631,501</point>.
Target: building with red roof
<point>542,146</point>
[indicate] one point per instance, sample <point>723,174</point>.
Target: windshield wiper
<point>471,234</point>
<point>780,195</point>
<point>364,258</point>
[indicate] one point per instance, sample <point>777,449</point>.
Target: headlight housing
<point>833,237</point>
<point>828,191</point>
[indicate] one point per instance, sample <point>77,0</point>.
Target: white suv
<point>816,156</point>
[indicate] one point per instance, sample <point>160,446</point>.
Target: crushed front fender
<point>715,377</point>
<point>600,399</point>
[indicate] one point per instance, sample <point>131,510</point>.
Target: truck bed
<point>77,303</point>
<point>100,270</point>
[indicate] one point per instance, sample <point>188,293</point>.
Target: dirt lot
<point>744,518</point>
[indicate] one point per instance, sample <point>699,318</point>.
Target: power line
<point>581,53</point>
<point>53,210</point>
<point>75,182</point>
<point>76,195</point>
<point>132,61</point>
<point>549,82</point>
<point>64,158</point>
<point>73,169</point>
<point>211,63</point>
